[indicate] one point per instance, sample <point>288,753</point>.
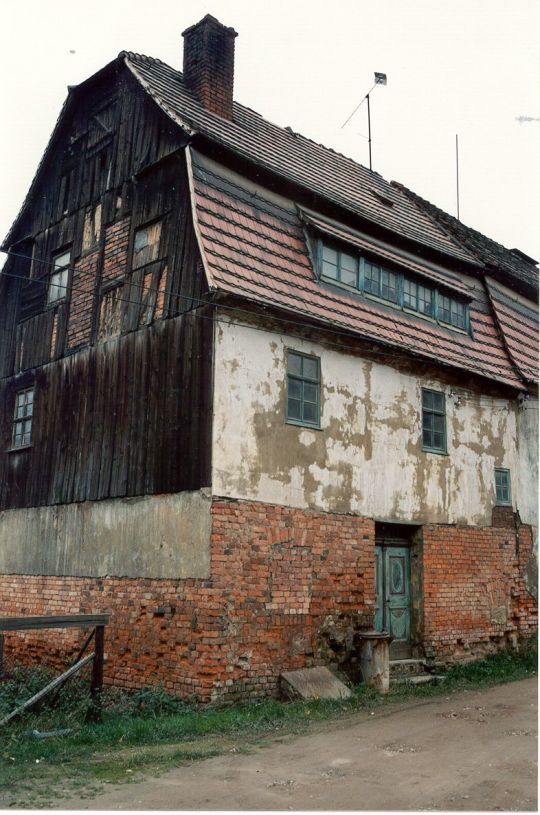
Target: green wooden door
<point>392,594</point>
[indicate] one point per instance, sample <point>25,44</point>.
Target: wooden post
<point>96,685</point>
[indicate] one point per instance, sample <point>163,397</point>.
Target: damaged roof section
<point>256,248</point>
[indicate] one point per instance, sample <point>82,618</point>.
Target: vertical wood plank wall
<point>122,366</point>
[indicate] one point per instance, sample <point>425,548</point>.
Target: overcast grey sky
<point>470,67</point>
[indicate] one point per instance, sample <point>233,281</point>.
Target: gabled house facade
<point>252,395</point>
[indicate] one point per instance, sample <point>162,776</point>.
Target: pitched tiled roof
<point>290,155</point>
<point>256,248</point>
<point>514,266</point>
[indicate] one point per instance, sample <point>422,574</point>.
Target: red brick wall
<point>116,247</point>
<point>82,296</point>
<point>474,593</point>
<point>276,574</point>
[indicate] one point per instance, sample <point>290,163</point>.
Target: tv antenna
<point>380,79</point>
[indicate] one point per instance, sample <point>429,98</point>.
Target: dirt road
<point>470,751</point>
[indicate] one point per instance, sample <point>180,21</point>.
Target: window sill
<point>305,425</point>
<point>55,303</point>
<point>500,504</point>
<point>395,306</point>
<point>17,449</point>
<point>436,452</point>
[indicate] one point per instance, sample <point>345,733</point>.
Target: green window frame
<point>303,389</point>
<point>503,489</point>
<point>338,265</point>
<point>433,421</point>
<point>366,275</point>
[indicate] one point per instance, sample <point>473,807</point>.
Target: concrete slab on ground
<point>314,683</point>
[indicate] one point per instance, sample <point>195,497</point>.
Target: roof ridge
<point>286,129</point>
<point>130,54</point>
<point>434,211</point>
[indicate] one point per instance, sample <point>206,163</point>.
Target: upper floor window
<point>58,281</point>
<point>22,421</point>
<point>394,287</point>
<point>502,487</point>
<point>146,245</point>
<point>433,421</point>
<point>303,389</point>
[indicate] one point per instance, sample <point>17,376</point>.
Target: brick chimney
<point>209,64</point>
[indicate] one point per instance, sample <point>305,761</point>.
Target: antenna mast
<point>457,174</point>
<point>380,79</point>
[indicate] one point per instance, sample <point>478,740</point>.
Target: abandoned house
<point>252,394</point>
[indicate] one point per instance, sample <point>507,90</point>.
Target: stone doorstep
<point>412,672</point>
<point>400,667</point>
<point>419,679</point>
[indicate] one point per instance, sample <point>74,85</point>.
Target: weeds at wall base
<point>148,731</point>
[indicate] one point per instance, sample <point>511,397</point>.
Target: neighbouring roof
<point>513,265</point>
<point>255,248</point>
<point>518,321</point>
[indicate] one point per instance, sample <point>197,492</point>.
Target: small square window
<point>22,421</point>
<point>502,487</point>
<point>303,389</point>
<point>58,282</point>
<point>433,421</point>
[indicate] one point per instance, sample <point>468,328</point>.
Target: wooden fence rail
<point>97,621</point>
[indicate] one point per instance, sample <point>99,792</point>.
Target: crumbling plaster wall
<point>367,457</point>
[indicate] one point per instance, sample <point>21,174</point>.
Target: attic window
<point>365,274</point>
<point>146,245</point>
<point>58,282</point>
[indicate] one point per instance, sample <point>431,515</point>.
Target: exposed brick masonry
<point>475,597</point>
<point>116,248</point>
<point>276,575</point>
<point>82,292</point>
<point>84,279</point>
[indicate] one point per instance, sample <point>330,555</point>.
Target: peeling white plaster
<point>367,457</point>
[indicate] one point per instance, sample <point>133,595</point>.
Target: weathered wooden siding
<point>126,417</point>
<point>121,366</point>
<point>108,164</point>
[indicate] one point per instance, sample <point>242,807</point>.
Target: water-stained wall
<point>367,457</point>
<point>159,536</point>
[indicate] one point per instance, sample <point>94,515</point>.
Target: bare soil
<point>473,750</point>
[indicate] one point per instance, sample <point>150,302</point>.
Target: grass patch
<point>150,730</point>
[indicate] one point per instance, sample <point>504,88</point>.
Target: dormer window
<point>365,274</point>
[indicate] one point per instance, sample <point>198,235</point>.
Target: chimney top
<point>209,64</point>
